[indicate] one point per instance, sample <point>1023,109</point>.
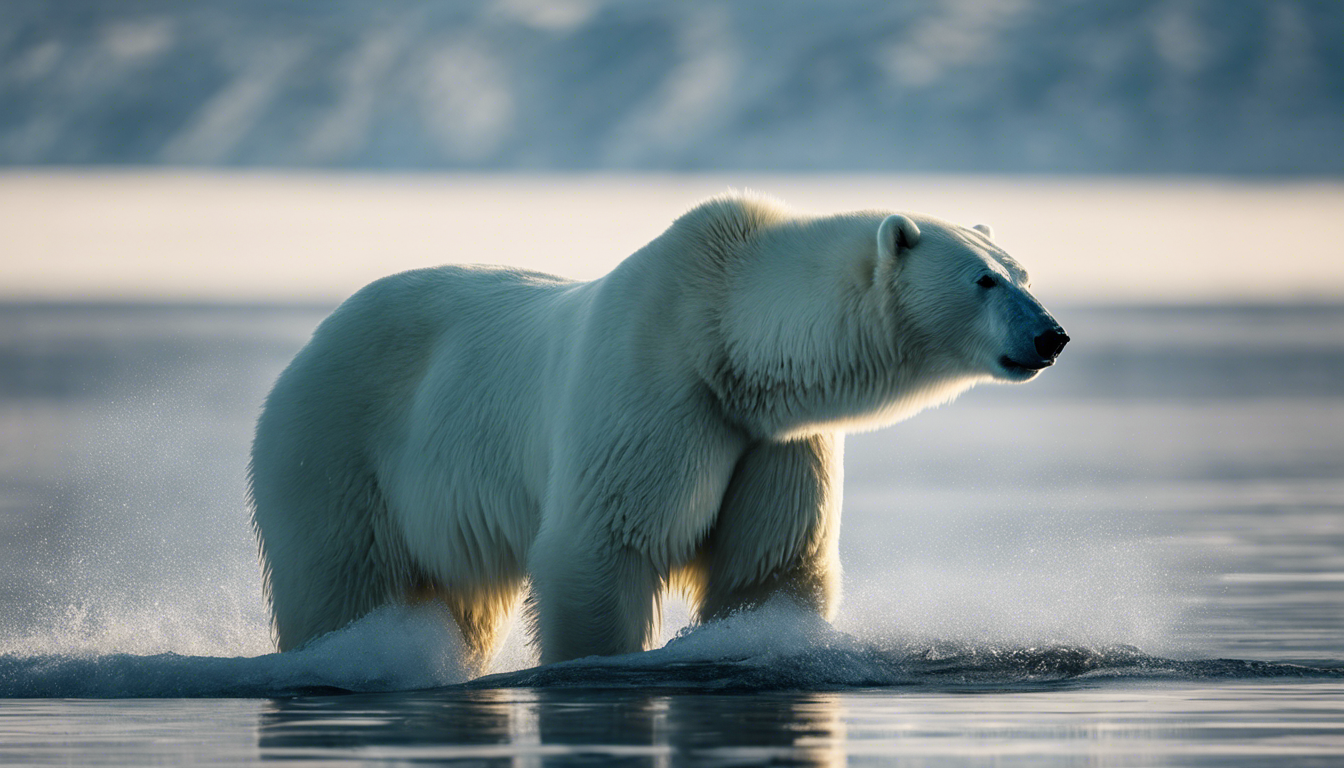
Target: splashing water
<point>778,646</point>
<point>782,646</point>
<point>394,648</point>
<point>131,571</point>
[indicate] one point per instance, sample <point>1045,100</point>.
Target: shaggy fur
<point>455,433</point>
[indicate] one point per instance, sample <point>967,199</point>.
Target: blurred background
<point>187,188</point>
<point>346,140</point>
<point>1017,86</point>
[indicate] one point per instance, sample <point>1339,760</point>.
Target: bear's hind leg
<point>326,563</point>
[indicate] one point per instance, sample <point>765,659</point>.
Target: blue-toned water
<point>1137,559</point>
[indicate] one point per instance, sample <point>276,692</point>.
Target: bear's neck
<point>787,329</point>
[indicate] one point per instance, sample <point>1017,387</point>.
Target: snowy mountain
<point>1230,86</point>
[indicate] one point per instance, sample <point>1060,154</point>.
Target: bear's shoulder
<point>732,218</point>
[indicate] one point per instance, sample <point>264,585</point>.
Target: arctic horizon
<point>238,236</point>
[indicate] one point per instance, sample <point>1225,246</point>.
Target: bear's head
<point>816,327</point>
<point>966,302</point>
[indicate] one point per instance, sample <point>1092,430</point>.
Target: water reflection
<point>507,727</point>
<point>798,729</point>
<point>315,727</point>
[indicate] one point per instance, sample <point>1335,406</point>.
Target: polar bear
<point>462,432</point>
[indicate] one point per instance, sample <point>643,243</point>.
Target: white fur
<point>454,433</point>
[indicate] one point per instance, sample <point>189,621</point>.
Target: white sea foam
<point>395,648</point>
<point>778,646</point>
<point>783,646</point>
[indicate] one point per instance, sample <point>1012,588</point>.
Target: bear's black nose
<point>1051,343</point>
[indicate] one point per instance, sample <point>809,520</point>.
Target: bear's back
<point>434,365</point>
<point>479,355</point>
<point>374,355</point>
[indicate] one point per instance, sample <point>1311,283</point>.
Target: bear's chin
<point>1012,371</point>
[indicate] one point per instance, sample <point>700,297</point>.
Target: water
<point>1136,560</point>
<point>1234,724</point>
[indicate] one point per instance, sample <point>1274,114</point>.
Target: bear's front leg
<point>637,481</point>
<point>777,531</point>
<point>590,595</point>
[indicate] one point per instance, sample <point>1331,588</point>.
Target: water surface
<point>1125,725</point>
<point>1135,560</point>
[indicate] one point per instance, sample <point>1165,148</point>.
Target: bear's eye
<point>988,281</point>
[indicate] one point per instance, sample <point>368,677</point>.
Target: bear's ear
<point>896,235</point>
<point>984,230</point>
